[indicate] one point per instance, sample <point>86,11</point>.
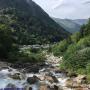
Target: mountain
<point>81,21</point>
<point>30,23</point>
<point>68,25</point>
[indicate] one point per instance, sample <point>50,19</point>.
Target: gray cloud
<point>87,2</point>
<point>73,9</point>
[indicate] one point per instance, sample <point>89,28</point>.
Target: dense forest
<point>75,51</point>
<point>23,22</point>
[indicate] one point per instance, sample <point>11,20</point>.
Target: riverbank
<point>40,76</point>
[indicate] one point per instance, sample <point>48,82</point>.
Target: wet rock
<point>32,80</point>
<point>11,86</point>
<point>58,70</point>
<point>70,83</point>
<point>28,88</point>
<point>4,65</point>
<point>51,79</point>
<point>72,75</point>
<point>32,69</point>
<point>43,86</point>
<point>56,87</point>
<point>81,79</point>
<point>10,70</point>
<point>42,78</point>
<point>60,87</point>
<point>29,67</point>
<point>17,76</point>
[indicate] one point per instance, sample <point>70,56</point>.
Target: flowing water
<point>5,79</point>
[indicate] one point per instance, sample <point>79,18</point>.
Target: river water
<point>5,78</point>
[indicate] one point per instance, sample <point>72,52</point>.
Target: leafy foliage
<point>7,41</point>
<point>76,54</point>
<point>30,23</point>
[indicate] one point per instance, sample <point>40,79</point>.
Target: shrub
<point>84,42</point>
<point>77,60</point>
<point>60,48</point>
<point>75,37</point>
<point>71,50</point>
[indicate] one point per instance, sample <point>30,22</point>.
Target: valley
<point>48,77</point>
<point>38,52</point>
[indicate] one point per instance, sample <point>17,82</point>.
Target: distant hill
<point>81,21</point>
<point>31,24</point>
<point>68,25</point>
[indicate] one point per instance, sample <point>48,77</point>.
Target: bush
<point>70,50</point>
<point>77,60</point>
<point>32,58</point>
<point>60,48</point>
<point>75,37</point>
<point>81,71</point>
<point>83,43</point>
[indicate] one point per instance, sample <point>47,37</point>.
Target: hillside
<point>76,52</point>
<point>68,25</point>
<point>32,25</point>
<point>81,21</point>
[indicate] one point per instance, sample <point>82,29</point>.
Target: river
<point>49,78</point>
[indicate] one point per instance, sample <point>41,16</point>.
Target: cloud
<point>73,9</point>
<point>87,2</point>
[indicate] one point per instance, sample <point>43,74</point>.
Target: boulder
<point>42,78</point>
<point>11,86</point>
<point>51,79</point>
<point>72,84</point>
<point>32,80</point>
<point>17,76</point>
<point>43,86</point>
<point>72,75</point>
<point>28,88</point>
<point>81,79</point>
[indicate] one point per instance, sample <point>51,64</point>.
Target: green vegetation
<point>7,41</point>
<point>75,52</point>
<point>68,25</point>
<point>25,23</point>
<point>29,30</point>
<point>9,44</point>
<point>28,56</point>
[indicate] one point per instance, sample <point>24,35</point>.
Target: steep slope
<point>31,24</point>
<point>68,25</point>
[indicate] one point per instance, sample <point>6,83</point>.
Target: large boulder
<point>32,80</point>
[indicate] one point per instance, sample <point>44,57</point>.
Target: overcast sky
<point>73,9</point>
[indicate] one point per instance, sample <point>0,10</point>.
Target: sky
<point>71,9</point>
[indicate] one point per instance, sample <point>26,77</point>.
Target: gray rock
<point>32,80</point>
<point>11,86</point>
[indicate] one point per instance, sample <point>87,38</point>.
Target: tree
<point>6,40</point>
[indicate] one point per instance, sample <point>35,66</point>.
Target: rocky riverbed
<point>40,76</point>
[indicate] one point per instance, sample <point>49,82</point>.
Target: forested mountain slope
<point>30,23</point>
